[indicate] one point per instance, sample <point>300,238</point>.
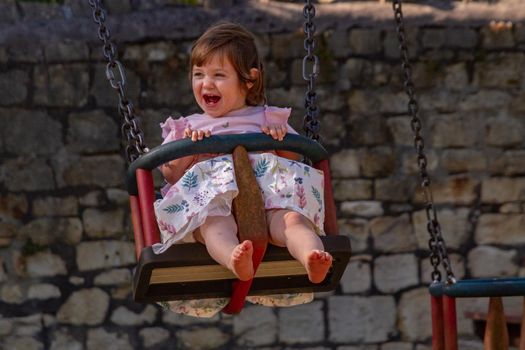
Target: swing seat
<point>186,271</point>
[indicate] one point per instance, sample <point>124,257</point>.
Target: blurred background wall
<point>66,248</point>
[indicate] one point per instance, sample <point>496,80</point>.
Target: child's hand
<point>196,135</point>
<point>277,131</point>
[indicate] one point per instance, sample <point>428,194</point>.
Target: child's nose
<point>207,81</point>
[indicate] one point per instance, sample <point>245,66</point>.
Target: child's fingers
<point>187,133</point>
<point>207,133</point>
<point>265,129</point>
<point>194,135</point>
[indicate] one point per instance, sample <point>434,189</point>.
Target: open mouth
<point>211,99</point>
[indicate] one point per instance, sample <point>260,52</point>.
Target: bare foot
<point>317,265</point>
<point>241,261</point>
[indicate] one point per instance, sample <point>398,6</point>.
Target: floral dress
<point>209,187</point>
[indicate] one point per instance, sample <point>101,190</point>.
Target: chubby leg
<point>296,232</point>
<point>219,234</point>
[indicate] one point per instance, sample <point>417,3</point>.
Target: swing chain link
<point>116,76</point>
<point>311,122</point>
<point>436,243</point>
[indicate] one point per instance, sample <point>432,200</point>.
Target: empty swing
<point>186,271</point>
<point>444,293</point>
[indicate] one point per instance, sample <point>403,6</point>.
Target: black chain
<point>130,128</point>
<point>436,244</point>
<point>310,123</point>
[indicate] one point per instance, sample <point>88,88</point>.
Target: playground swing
<point>443,293</point>
<point>186,271</point>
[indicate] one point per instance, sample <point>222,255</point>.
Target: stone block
<point>55,206</point>
<point>103,171</point>
<point>337,42</point>
<point>393,234</point>
<point>103,224</point>
<point>28,132</point>
<point>104,254</point>
<point>434,38</point>
<point>504,132</point>
<point>514,162</point>
<point>292,97</point>
<point>22,342</point>
<point>453,131</point>
<point>45,264</point>
<point>201,338</point>
<point>497,38</point>
<point>391,43</point>
<point>459,189</point>
<point>394,189</point>
<point>8,12</point>
<point>396,346</point>
<point>61,85</point>
<point>499,71</point>
<point>99,338</point>
<point>48,231</point>
<point>358,232</point>
<point>354,319</point>
<point>302,324</point>
<point>487,261</point>
<point>119,6</point>
<point>501,190</point>
<point>13,87</point>
<point>484,100</point>
<point>153,336</point>
<point>333,129</point>
<point>399,129</point>
<point>365,41</point>
<point>463,160</point>
<point>12,293</point>
<point>122,316</point>
<point>43,291</point>
<point>93,199</point>
<point>65,51</point>
<point>167,86</point>
<point>184,321</point>
<point>357,277</point>
<point>438,100</point>
<point>347,190</point>
<point>461,38</point>
<point>84,307</point>
<point>92,132</point>
<point>285,46</point>
<point>504,229</point>
<point>62,339</point>
<point>113,277</point>
<point>104,93</point>
<point>27,174</point>
<point>455,227</point>
<point>377,162</point>
<point>255,326</point>
<point>368,130</point>
<point>40,11</point>
<point>366,209</point>
<point>276,76</point>
<point>25,51</point>
<point>345,164</point>
<point>395,272</point>
<point>414,315</point>
<point>456,77</point>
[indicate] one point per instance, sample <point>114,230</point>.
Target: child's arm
<point>174,170</point>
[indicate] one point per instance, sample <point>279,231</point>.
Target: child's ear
<point>254,74</point>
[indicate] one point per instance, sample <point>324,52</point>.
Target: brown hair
<point>237,44</point>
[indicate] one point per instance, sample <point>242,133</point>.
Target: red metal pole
<point>438,328</point>
<point>330,219</point>
<point>146,197</point>
<point>451,329</point>
<point>136,221</point>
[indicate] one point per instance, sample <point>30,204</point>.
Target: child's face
<point>217,88</point>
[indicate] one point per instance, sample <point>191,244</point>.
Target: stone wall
<point>66,252</point>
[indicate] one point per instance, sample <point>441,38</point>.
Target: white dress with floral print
<point>208,189</point>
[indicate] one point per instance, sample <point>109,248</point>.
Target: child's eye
<point>197,74</point>
<point>219,75</point>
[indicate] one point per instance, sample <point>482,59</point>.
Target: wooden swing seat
<point>186,271</point>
